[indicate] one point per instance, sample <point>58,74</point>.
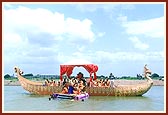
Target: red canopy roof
<point>68,68</point>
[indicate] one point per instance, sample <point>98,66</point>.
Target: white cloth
<point>111,83</point>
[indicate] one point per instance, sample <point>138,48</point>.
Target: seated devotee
<point>64,81</point>
<point>88,82</point>
<point>102,83</point>
<point>94,83</point>
<point>58,83</point>
<point>71,88</point>
<point>81,86</point>
<point>47,82</point>
<point>107,83</point>
<point>76,89</point>
<point>99,83</point>
<point>65,88</point>
<point>54,83</point>
<point>84,81</point>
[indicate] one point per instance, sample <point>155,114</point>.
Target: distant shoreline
<point>117,82</point>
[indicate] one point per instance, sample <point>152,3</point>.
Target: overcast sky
<point>119,38</point>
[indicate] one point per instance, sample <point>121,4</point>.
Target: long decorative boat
<point>120,90</point>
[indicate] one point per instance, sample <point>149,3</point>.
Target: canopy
<point>68,68</point>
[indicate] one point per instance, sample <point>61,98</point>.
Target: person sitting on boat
<point>47,82</point>
<point>74,81</point>
<point>108,83</point>
<point>52,83</point>
<point>58,83</point>
<point>88,82</point>
<point>102,83</point>
<point>64,81</point>
<point>84,81</point>
<point>71,88</point>
<point>76,89</point>
<point>99,83</point>
<point>65,88</point>
<point>81,86</point>
<point>94,83</point>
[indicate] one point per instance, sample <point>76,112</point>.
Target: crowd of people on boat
<point>105,82</point>
<point>51,83</point>
<point>78,84</point>
<point>75,85</point>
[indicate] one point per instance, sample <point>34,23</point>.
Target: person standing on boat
<point>80,77</point>
<point>111,76</point>
<point>111,80</point>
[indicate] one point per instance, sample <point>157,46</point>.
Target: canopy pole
<point>61,77</point>
<point>95,77</point>
<point>90,77</point>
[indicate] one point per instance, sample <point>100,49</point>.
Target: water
<point>17,99</point>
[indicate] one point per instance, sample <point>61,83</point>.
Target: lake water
<point>17,99</point>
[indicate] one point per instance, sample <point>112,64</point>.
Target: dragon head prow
<point>17,70</point>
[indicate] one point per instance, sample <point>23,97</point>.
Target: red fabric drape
<point>67,69</point>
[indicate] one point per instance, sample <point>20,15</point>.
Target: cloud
<point>8,5</point>
<point>76,29</point>
<point>138,44</point>
<point>104,57</point>
<point>42,38</point>
<point>36,36</point>
<point>101,34</point>
<point>105,7</point>
<point>63,57</point>
<point>142,29</point>
<point>39,21</point>
<point>92,7</point>
<point>152,28</point>
<point>122,19</point>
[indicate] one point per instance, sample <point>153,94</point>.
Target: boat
<point>81,96</point>
<point>120,90</point>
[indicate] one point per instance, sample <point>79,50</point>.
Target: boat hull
<point>120,90</point>
<point>124,90</point>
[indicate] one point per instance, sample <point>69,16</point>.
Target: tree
<point>155,75</point>
<point>30,74</point>
<point>7,76</point>
<point>139,76</point>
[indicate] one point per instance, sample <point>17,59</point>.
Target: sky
<point>118,37</point>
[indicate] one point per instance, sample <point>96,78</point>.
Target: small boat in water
<point>81,96</point>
